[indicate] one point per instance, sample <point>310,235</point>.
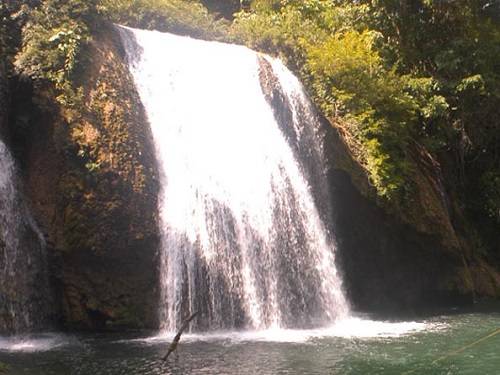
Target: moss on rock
<point>91,174</point>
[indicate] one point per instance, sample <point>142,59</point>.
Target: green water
<point>357,347</point>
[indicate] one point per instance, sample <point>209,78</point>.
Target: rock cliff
<point>91,177</point>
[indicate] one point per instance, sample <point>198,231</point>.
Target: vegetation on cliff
<point>179,16</point>
<point>53,38</point>
<point>393,72</point>
<point>389,73</point>
<point>403,81</point>
<point>395,77</point>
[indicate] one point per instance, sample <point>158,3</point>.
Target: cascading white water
<point>242,239</point>
<point>8,196</point>
<point>24,296</point>
<point>9,234</point>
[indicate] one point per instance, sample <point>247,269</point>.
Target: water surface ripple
<point>356,346</point>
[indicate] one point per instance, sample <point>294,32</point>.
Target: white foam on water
<point>32,344</point>
<point>349,328</point>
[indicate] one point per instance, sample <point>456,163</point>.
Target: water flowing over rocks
<point>242,238</point>
<point>25,297</point>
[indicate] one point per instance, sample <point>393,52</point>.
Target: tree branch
<point>173,345</point>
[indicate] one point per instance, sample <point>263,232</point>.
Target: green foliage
<point>490,185</point>
<point>393,73</point>
<point>56,33</point>
<point>4,369</point>
<point>350,80</point>
<point>53,41</point>
<point>457,44</point>
<point>283,33</point>
<point>179,16</point>
<point>330,45</point>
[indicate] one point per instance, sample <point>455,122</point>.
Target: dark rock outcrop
<point>91,176</point>
<point>387,265</point>
<point>4,102</point>
<point>405,258</point>
<point>25,298</point>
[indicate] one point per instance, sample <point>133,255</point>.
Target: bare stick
<point>177,337</point>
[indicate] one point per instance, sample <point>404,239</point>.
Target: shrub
<point>179,16</point>
<point>53,41</point>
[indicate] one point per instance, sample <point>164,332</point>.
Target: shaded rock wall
<point>91,177</point>
<point>388,266</point>
<point>26,302</point>
<point>4,102</point>
<point>406,258</point>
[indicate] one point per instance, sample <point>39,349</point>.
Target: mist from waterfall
<point>24,290</point>
<point>243,241</point>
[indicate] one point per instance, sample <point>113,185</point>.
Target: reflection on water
<point>355,346</point>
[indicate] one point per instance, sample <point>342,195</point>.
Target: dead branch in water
<point>173,345</point>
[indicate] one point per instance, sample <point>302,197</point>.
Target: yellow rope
<point>455,352</point>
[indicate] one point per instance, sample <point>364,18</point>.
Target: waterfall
<point>243,241</point>
<point>24,291</point>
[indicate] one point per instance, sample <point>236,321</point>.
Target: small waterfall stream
<point>24,291</point>
<point>243,241</point>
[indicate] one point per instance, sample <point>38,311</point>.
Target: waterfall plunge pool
<point>354,346</point>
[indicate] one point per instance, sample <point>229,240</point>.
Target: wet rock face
<point>406,258</point>
<point>26,302</point>
<point>4,105</point>
<point>25,298</point>
<point>91,176</point>
<point>396,261</point>
<point>387,265</point>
